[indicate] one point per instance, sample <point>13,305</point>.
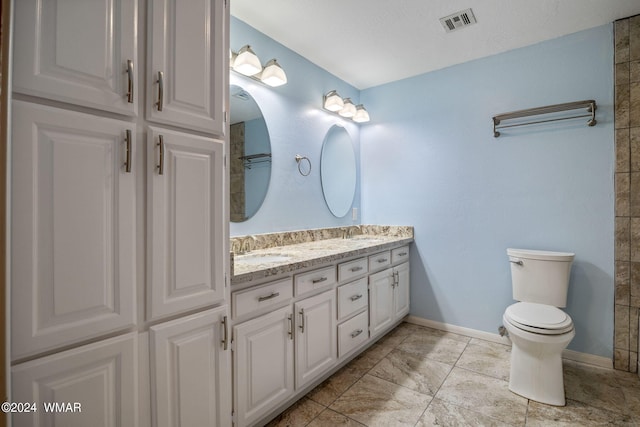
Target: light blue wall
<point>429,159</point>
<point>297,125</point>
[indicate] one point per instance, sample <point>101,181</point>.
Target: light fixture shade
<point>333,101</point>
<point>349,110</point>
<point>361,115</point>
<point>273,74</point>
<point>247,62</point>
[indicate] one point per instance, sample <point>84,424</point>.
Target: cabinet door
<point>263,364</point>
<point>81,52</point>
<point>316,336</point>
<point>381,301</point>
<point>97,384</point>
<point>187,63</point>
<point>73,225</point>
<point>185,223</point>
<point>401,291</point>
<point>191,375</point>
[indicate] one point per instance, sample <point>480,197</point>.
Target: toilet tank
<point>540,276</point>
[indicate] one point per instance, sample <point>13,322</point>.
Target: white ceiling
<point>371,42</point>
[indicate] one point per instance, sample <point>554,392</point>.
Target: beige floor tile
<point>594,386</point>
<point>419,374</point>
<point>486,358</point>
<point>329,418</point>
<point>333,387</point>
<point>441,413</point>
<point>574,414</point>
<point>435,345</point>
<point>376,402</point>
<point>487,395</point>
<point>370,357</point>
<point>298,415</point>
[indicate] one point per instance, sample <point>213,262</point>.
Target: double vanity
<point>305,303</point>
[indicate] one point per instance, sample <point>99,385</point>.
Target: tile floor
<point>417,376</point>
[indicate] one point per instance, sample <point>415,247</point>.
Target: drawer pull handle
<point>322,279</point>
<point>356,333</point>
<point>301,321</point>
<point>356,297</point>
<point>381,260</point>
<point>402,254</point>
<point>354,269</point>
<point>290,331</point>
<point>273,295</point>
<point>127,160</point>
<point>225,336</point>
<point>160,165</point>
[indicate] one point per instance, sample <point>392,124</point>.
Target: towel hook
<point>299,160</point>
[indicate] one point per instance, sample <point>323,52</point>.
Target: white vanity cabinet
<point>389,292</point>
<point>186,64</point>
<point>263,364</point>
<point>80,52</point>
<point>185,176</point>
<point>190,358</point>
<point>73,267</point>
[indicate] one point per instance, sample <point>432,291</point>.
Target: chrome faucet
<point>247,244</point>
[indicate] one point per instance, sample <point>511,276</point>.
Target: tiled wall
<point>237,197</point>
<point>627,181</point>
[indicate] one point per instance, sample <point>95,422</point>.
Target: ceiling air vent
<point>458,20</point>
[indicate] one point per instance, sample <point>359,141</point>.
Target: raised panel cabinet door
<point>73,264</point>
<point>185,222</point>
<point>186,63</point>
<point>93,385</point>
<point>401,297</point>
<point>191,371</point>
<point>316,336</point>
<point>81,52</point>
<point>263,364</point>
<point>381,301</point>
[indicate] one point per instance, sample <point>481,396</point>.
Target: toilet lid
<point>539,318</point>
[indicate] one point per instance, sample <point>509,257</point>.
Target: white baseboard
<point>576,356</point>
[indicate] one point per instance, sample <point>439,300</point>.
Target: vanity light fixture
<point>349,109</point>
<point>333,102</point>
<point>247,63</point>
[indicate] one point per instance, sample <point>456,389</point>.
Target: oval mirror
<point>250,156</point>
<point>338,171</point>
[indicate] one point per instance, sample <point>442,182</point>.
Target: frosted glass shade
<point>273,75</point>
<point>247,62</point>
<point>333,101</point>
<point>349,110</point>
<point>361,115</point>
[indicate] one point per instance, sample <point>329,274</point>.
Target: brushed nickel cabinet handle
<point>225,335</point>
<point>160,82</point>
<point>127,158</point>
<point>381,260</point>
<point>356,333</point>
<point>354,269</point>
<point>356,297</point>
<point>290,331</point>
<point>160,144</point>
<point>130,77</point>
<point>301,320</point>
<point>322,279</point>
<point>402,254</point>
<point>273,295</point>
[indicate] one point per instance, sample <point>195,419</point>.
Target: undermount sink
<point>253,259</point>
<point>363,238</point>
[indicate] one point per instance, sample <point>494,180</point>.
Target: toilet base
<point>536,365</point>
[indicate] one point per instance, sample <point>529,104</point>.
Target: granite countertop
<point>271,259</point>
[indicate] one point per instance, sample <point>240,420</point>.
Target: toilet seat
<point>538,318</point>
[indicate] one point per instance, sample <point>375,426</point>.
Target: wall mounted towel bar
<point>589,105</point>
<point>253,159</point>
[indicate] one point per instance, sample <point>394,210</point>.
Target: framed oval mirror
<point>250,156</point>
<point>338,171</point>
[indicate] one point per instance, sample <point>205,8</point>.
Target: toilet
<point>538,329</point>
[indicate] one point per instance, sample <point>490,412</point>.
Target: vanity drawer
<point>263,297</point>
<point>351,269</point>
<point>399,255</point>
<point>352,297</point>
<point>315,279</point>
<point>353,333</point>
<point>379,260</point>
